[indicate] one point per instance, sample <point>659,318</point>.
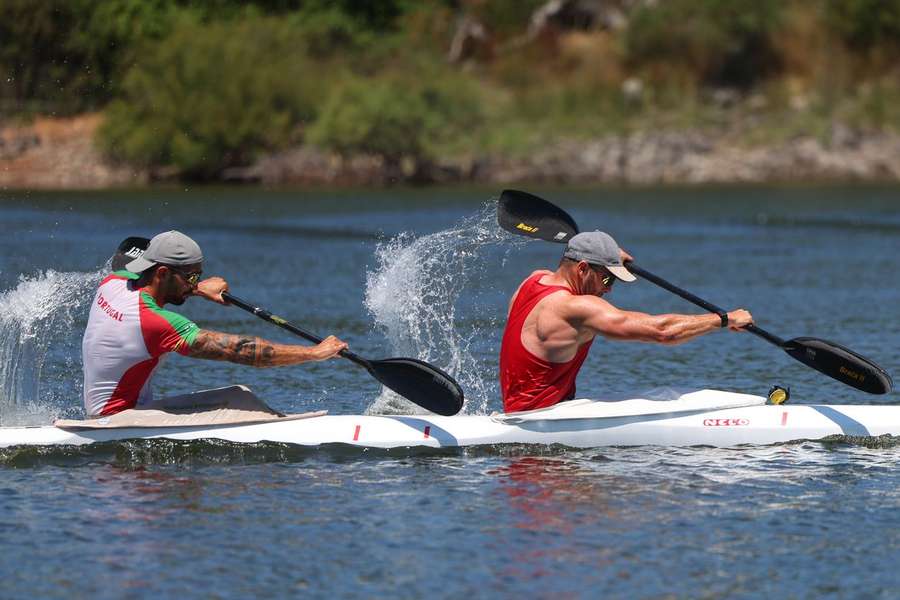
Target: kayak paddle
<point>416,380</point>
<point>526,214</point>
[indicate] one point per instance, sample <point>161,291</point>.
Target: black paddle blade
<point>128,250</point>
<point>526,214</point>
<point>840,363</point>
<point>421,383</point>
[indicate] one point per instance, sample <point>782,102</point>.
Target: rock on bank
<point>60,154</point>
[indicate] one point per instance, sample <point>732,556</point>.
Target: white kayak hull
<point>576,425</point>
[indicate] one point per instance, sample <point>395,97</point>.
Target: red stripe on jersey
<point>129,387</point>
<point>110,277</point>
<point>159,335</point>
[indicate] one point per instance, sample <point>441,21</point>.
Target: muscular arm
<point>667,329</point>
<point>253,351</point>
<point>605,319</point>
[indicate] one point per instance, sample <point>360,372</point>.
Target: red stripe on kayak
<point>784,418</point>
<point>427,431</point>
<point>356,434</point>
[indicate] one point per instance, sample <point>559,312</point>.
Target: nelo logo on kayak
<point>726,422</point>
<point>527,228</point>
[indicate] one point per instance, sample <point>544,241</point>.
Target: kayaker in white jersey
<point>554,317</point>
<point>129,331</point>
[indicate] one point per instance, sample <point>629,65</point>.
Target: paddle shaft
<point>644,274</point>
<point>276,320</point>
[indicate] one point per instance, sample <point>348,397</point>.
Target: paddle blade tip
<point>841,364</point>
<point>525,214</point>
<point>421,383</point>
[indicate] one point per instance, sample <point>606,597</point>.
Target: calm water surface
<point>426,273</point>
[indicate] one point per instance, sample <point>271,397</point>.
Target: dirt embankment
<point>52,153</point>
<point>60,154</point>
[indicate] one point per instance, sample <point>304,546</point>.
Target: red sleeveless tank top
<point>526,381</point>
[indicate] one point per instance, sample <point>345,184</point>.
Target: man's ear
<point>162,272</point>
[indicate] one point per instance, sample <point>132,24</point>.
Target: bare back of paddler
<point>554,317</point>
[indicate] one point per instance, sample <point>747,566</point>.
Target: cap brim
<point>139,265</point>
<point>621,273</point>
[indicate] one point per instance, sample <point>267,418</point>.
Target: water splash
<point>413,295</point>
<point>37,318</point>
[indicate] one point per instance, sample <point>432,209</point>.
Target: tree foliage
<point>722,42</point>
<point>203,85</point>
<point>396,118</point>
<point>866,24</point>
<point>69,54</point>
<point>210,96</point>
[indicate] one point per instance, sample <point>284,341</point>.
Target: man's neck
<point>155,293</point>
<point>565,278</point>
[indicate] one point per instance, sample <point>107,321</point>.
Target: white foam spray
<point>413,294</point>
<point>38,317</point>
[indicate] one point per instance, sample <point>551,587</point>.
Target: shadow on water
<point>211,452</point>
<point>197,453</point>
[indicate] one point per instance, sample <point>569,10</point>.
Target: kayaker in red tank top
<point>555,316</point>
<point>528,381</point>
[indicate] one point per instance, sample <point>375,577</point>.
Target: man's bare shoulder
<point>539,272</point>
<point>580,306</point>
<point>515,295</point>
<point>533,274</point>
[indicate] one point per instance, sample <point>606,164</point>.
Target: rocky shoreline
<point>60,154</point>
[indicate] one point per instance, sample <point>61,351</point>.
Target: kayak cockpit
<point>232,405</point>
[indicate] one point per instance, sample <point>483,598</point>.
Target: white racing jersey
<point>126,336</point>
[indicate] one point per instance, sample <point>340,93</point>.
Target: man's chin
<point>178,301</point>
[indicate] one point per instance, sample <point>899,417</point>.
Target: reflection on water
<point>553,492</point>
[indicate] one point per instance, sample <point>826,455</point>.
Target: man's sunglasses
<point>606,278</point>
<point>191,278</point>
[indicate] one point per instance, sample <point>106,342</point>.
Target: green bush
<point>865,24</point>
<point>210,96</point>
<point>374,15</point>
<point>329,32</point>
<point>505,17</point>
<point>67,55</point>
<point>397,117</point>
<point>719,42</point>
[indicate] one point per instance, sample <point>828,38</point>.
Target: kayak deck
<point>698,420</point>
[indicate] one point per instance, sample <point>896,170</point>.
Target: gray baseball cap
<point>169,248</point>
<point>598,248</point>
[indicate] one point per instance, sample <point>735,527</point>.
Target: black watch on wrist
<point>724,317</point>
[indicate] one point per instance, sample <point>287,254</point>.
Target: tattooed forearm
<point>258,352</point>
<point>240,349</point>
